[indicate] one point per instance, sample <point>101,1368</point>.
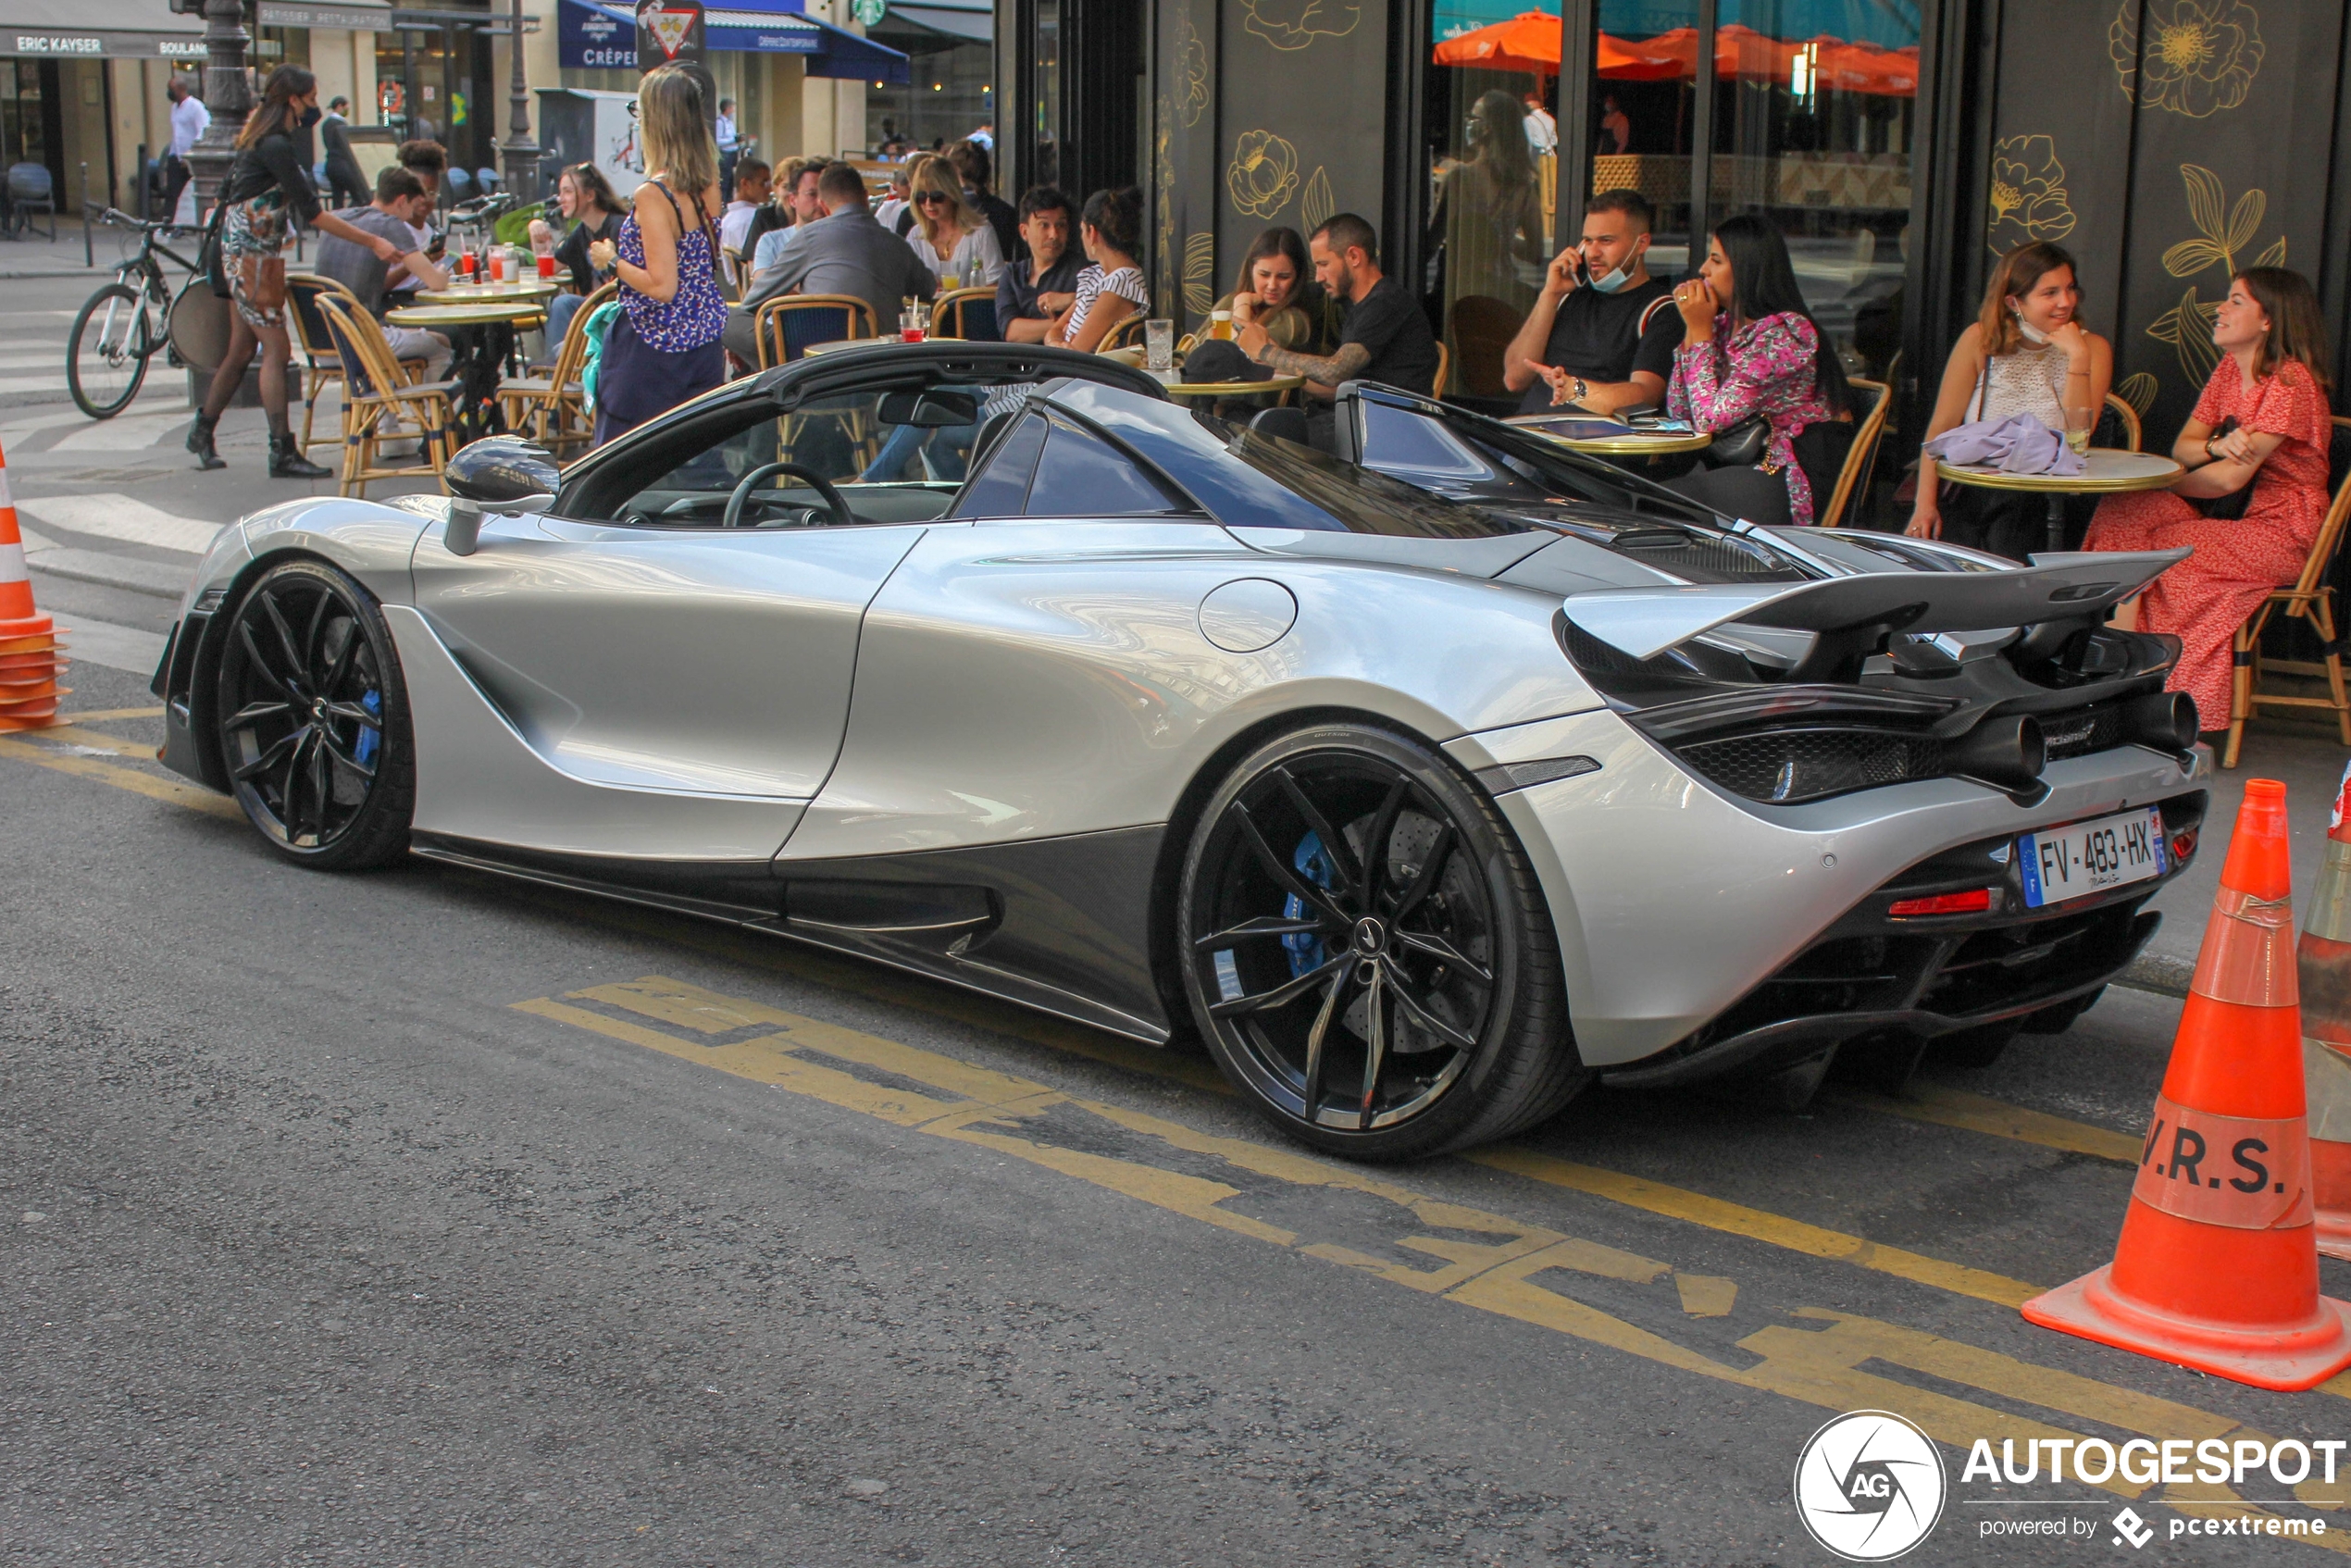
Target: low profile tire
<point>314,723</point>
<point>1367,953</point>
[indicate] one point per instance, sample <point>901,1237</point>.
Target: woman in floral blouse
<point>1750,350</point>
<point>2262,422</point>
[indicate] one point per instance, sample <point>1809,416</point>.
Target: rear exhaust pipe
<point>2007,753</point>
<point>2165,720</point>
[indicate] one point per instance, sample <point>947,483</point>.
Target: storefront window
<point>947,95</point>
<point>1813,129</point>
<point>1645,125</point>
<point>1049,94</point>
<point>24,131</point>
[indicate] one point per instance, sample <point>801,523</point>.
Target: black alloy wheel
<point>1367,952</point>
<point>314,720</point>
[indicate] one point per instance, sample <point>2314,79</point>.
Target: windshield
<point>1359,500</point>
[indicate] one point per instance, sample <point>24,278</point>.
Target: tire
<point>313,722</point>
<point>107,354</point>
<point>1431,970</point>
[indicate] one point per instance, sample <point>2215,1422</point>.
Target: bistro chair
<point>555,405</point>
<point>325,365</point>
<point>2128,418</point>
<point>30,191</point>
<point>1127,334</point>
<point>789,323</point>
<point>373,389</point>
<point>1443,364</point>
<point>969,314</point>
<point>2311,600</point>
<point>1861,458</point>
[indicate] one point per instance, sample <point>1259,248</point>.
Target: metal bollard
<point>145,178</point>
<point>89,256</point>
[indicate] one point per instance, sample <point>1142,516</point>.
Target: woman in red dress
<point>2272,382</point>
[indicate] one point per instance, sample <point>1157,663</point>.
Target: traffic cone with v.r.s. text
<point>2218,1265</point>
<point>30,648</point>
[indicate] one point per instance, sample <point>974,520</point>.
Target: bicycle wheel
<point>107,356</point>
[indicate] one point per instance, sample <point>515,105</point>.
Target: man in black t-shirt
<point>1603,332</point>
<point>1386,336</point>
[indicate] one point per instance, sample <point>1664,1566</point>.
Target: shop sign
<point>359,18</point>
<point>590,39</point>
<point>106,45</point>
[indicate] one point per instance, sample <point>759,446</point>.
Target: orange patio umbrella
<point>1528,42</point>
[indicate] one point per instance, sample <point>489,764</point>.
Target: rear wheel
<point>106,356</point>
<point>1366,951</point>
<point>313,722</point>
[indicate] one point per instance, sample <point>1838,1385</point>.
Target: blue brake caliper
<point>1305,946</point>
<point>370,735</point>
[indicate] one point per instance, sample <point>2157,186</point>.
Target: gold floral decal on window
<point>2222,233</point>
<point>2028,194</point>
<point>2196,57</point>
<point>1164,289</point>
<point>1315,207</point>
<point>1200,273</point>
<point>2138,390</point>
<point>1295,24</point>
<point>1264,176</point>
<point>1192,69</point>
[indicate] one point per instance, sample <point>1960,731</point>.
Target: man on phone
<point>1602,334</point>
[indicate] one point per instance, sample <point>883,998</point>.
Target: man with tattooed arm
<point>1386,336</point>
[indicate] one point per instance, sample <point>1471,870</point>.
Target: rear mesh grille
<point>1807,764</point>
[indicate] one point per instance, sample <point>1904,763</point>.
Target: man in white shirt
<point>729,142</point>
<point>1542,130</point>
<point>189,121</point>
<point>750,189</point>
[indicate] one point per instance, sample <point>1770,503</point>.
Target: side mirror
<point>501,474</point>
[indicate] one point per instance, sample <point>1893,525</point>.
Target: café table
<point>521,289</point>
<point>475,365</point>
<point>1271,386</point>
<point>480,313</point>
<point>2106,471</point>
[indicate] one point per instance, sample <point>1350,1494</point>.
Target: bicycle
<point>105,370</point>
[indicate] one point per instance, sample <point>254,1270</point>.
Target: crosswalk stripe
<point>110,515</point>
<point>125,648</point>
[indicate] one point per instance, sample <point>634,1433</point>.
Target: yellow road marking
<point>98,716</point>
<point>1757,1224</point>
<point>1976,1113</point>
<point>1485,1261</point>
<point>73,735</point>
<point>171,790</point>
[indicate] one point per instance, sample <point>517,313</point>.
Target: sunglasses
<point>928,197</point>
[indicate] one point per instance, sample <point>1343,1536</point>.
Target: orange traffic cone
<point>2217,1266</point>
<point>2324,963</point>
<point>30,656</point>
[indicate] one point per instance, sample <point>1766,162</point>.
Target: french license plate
<point>2089,857</point>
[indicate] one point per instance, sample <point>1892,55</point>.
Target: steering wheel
<point>842,515</point>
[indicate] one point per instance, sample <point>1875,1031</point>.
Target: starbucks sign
<point>868,12</point>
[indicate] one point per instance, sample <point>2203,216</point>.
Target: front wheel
<point>107,356</point>
<point>313,722</point>
<point>1367,952</point>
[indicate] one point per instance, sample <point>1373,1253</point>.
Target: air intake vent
<point>1787,766</point>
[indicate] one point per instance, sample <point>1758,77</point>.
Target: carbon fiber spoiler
<point>1645,622</point>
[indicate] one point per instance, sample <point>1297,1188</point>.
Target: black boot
<point>200,442</point>
<point>286,461</point>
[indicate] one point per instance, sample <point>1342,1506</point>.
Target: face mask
<point>2032,334</point>
<point>310,117</point>
<point>1614,281</point>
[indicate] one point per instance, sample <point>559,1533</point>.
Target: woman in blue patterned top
<point>665,349</point>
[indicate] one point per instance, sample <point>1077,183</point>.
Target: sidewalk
<point>35,255</point>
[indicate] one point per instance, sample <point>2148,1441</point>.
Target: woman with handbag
<point>2026,353</point>
<point>1755,372</point>
<point>665,347</point>
<point>267,196</point>
<point>2255,492</point>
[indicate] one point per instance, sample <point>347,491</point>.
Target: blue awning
<point>750,27</point>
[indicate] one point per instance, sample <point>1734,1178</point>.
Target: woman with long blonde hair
<point>267,196</point>
<point>664,348</point>
<point>950,236</point>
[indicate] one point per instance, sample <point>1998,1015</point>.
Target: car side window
<point>1080,474</point>
<point>1001,488</point>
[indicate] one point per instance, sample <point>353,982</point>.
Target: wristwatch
<point>1581,388</point>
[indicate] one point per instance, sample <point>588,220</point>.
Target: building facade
<point>1900,144</point>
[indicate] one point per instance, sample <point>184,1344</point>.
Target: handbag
<point>2229,508</point>
<point>210,262</point>
<point>1741,446</point>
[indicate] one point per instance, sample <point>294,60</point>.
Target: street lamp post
<point>227,97</point>
<point>522,153</point>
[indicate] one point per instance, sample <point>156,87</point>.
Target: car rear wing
<point>1645,622</point>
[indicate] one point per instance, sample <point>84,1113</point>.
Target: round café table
<point>482,312</point>
<point>1271,386</point>
<point>1627,443</point>
<point>834,345</point>
<point>474,367</point>
<point>520,290</point>
<point>2105,471</point>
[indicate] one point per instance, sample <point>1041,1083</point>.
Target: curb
<point>2156,972</point>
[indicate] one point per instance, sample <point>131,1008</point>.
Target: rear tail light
<point>1975,900</point>
<point>2183,843</point>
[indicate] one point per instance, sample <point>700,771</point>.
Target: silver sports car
<point>1427,781</point>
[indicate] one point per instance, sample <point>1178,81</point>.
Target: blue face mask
<point>1616,281</point>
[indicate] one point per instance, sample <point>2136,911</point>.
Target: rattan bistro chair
<point>324,365</point>
<point>1861,458</point>
<point>969,314</point>
<point>373,388</point>
<point>2128,418</point>
<point>2310,599</point>
<point>555,405</point>
<point>788,324</point>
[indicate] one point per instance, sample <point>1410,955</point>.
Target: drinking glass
<point>2078,423</point>
<point>1159,345</point>
<point>914,321</point>
<point>546,267</point>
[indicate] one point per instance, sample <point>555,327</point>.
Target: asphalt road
<point>417,1217</point>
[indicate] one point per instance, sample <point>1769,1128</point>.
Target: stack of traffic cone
<point>2217,1266</point>
<point>2324,961</point>
<point>30,650</point>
